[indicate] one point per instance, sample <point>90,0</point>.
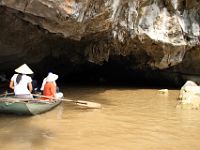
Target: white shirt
<point>22,86</point>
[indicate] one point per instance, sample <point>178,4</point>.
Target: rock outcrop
<point>189,96</point>
<point>148,34</point>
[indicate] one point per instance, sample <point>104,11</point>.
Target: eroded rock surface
<point>156,34</point>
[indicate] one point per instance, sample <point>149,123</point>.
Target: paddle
<point>6,94</point>
<point>78,102</point>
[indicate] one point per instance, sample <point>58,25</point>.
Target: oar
<point>78,102</point>
<point>6,94</point>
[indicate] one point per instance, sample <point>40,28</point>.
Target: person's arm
<point>11,85</point>
<point>43,83</point>
<point>30,87</point>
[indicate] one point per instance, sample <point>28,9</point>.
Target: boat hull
<point>27,108</point>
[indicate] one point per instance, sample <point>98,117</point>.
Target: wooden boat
<point>10,104</point>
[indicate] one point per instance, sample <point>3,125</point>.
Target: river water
<point>130,119</point>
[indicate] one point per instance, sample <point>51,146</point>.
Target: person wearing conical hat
<point>21,83</point>
<point>50,86</point>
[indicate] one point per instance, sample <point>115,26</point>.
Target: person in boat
<point>34,84</point>
<point>4,83</point>
<point>3,78</point>
<point>21,83</point>
<point>50,87</point>
<point>44,82</point>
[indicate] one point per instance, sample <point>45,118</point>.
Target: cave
<point>125,43</point>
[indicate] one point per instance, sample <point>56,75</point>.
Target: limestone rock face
<point>156,34</point>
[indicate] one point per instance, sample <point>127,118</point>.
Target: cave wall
<point>23,42</point>
<point>155,34</point>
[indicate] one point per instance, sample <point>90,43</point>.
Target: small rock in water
<point>163,91</point>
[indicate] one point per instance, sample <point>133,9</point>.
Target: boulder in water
<point>189,96</point>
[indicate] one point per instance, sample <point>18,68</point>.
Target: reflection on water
<point>130,119</point>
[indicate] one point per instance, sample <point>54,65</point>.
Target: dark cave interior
<point>109,74</point>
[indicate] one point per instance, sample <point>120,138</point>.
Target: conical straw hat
<point>24,69</point>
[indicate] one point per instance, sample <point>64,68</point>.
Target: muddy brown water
<point>130,118</point>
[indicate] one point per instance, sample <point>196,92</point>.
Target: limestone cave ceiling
<point>156,34</point>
